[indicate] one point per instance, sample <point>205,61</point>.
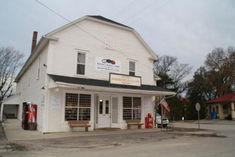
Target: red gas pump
<point>149,121</point>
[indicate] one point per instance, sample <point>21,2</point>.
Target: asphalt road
<point>219,141</point>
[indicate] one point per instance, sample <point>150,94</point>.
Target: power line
<point>91,35</point>
<point>123,9</point>
<point>53,11</point>
<point>66,19</point>
<point>145,9</point>
<point>142,10</point>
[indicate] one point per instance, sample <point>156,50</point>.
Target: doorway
<point>104,114</point>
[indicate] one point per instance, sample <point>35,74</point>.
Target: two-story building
<point>90,69</point>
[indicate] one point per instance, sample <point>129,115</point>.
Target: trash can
<point>213,115</point>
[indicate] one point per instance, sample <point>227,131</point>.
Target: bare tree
<point>216,59</point>
<point>164,64</point>
<point>178,73</point>
<point>220,65</point>
<point>10,61</point>
<point>171,73</point>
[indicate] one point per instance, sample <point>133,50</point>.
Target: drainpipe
<point>1,113</point>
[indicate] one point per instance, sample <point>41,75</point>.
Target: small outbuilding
<point>223,106</point>
<point>10,108</point>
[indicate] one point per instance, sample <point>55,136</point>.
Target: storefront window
<point>71,106</point>
<point>77,107</point>
<point>131,108</point>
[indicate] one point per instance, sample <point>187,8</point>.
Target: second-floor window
<point>81,63</point>
<point>132,68</point>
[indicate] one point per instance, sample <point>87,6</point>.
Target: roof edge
<point>41,44</point>
<point>108,22</point>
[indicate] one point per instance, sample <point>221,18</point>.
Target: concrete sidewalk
<point>14,132</point>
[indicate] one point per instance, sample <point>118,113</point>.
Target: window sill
<point>80,76</point>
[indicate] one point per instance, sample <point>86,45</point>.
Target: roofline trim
<point>41,44</point>
<point>110,89</point>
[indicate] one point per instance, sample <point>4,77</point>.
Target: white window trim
<point>81,63</point>
<point>78,104</point>
<point>132,106</point>
<point>134,71</point>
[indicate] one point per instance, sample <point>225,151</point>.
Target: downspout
<point>1,113</point>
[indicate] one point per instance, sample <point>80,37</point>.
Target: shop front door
<point>104,108</point>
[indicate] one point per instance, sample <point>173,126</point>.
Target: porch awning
<point>223,99</point>
<point>106,86</point>
<point>14,100</point>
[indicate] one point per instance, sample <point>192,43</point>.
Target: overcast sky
<point>186,29</point>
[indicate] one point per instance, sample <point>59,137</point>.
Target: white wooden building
<point>90,69</point>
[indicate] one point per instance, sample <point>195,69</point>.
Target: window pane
<point>101,107</point>
<point>71,113</point>
<point>106,107</point>
<point>71,104</point>
<point>80,69</point>
<point>127,114</point>
<point>85,100</point>
<point>136,102</point>
<point>81,58</point>
<point>132,73</point>
<point>71,100</point>
<point>136,114</point>
<point>127,102</point>
<point>84,113</point>
<point>131,66</point>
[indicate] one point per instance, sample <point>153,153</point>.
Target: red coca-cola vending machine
<point>29,116</point>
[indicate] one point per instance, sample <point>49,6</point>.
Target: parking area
<point>216,138</point>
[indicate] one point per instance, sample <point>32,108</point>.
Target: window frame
<point>77,107</point>
<point>132,108</point>
<point>131,71</point>
<point>80,63</point>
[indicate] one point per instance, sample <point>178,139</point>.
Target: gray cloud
<point>187,29</point>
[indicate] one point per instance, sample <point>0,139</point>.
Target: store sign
<point>125,80</point>
<point>108,64</point>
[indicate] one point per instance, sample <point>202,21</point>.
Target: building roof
<point>49,36</point>
<point>108,20</point>
<point>226,98</point>
<point>104,83</point>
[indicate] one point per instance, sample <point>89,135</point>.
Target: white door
<point>104,108</point>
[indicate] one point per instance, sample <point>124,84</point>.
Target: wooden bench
<point>76,123</point>
<point>134,122</point>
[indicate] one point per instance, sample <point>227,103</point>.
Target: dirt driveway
<point>180,142</point>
